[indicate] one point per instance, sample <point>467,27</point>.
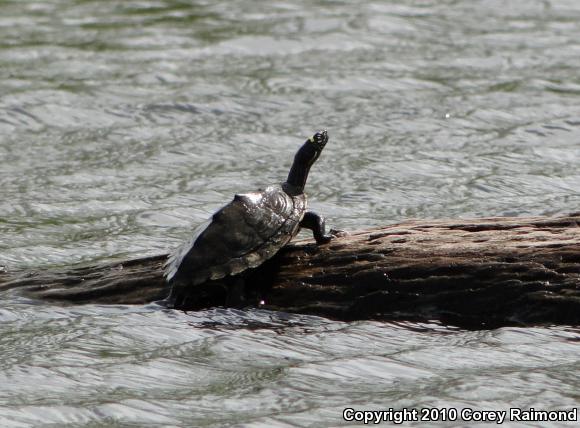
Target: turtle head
<point>319,139</point>
<point>304,159</point>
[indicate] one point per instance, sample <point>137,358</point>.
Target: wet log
<point>478,273</point>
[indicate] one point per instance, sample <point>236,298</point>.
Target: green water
<point>124,124</point>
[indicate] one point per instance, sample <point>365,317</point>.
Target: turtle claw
<point>332,233</point>
<point>338,233</point>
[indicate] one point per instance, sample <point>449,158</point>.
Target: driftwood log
<point>480,273</point>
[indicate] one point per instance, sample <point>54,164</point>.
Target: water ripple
<point>123,124</point>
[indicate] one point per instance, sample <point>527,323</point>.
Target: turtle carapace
<point>250,229</point>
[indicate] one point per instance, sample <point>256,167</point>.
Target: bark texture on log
<point>480,273</point>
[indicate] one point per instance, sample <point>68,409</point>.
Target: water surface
<point>123,124</point>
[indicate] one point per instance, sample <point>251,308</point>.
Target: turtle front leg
<point>316,223</point>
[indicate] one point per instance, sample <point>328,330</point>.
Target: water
<point>123,124</point>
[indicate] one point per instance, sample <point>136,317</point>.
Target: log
<point>477,273</point>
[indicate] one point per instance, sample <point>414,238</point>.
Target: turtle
<point>249,230</point>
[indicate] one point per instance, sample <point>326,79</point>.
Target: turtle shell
<point>241,235</point>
